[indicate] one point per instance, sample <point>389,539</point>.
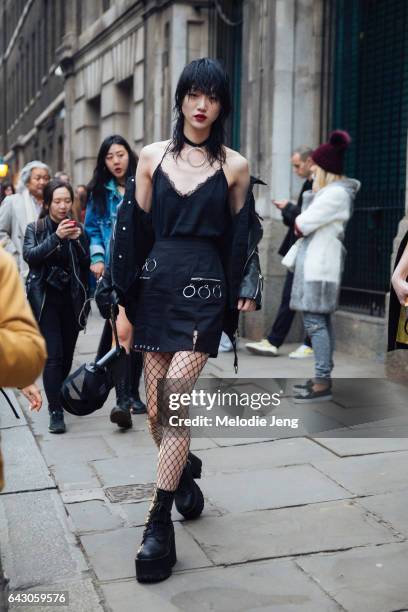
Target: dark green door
<point>370,99</point>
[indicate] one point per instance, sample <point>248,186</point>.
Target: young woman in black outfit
<point>115,163</point>
<point>57,252</point>
<point>183,282</point>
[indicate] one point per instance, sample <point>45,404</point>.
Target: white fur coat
<point>317,258</point>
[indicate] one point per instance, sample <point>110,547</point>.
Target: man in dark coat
<point>301,163</point>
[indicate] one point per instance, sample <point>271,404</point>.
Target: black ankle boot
<point>57,423</point>
<point>188,498</point>
<point>157,553</point>
<point>135,372</point>
<point>120,414</point>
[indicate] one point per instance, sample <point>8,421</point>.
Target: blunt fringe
<point>209,77</point>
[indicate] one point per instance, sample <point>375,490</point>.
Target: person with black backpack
<point>56,250</point>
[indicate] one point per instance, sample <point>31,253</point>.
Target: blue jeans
<point>320,329</point>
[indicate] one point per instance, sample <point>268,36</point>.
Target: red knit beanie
<point>330,156</point>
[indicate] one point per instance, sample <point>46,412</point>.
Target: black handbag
<point>87,389</point>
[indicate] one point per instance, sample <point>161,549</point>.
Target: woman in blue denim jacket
<point>115,163</point>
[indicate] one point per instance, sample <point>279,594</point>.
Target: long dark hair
<point>49,192</point>
<point>207,76</point>
<point>3,187</point>
<point>102,175</point>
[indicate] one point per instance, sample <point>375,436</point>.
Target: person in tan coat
<point>22,348</point>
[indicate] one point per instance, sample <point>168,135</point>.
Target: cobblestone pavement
<point>302,523</point>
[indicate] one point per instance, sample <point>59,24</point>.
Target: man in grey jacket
<point>20,209</point>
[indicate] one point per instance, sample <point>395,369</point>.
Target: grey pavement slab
<point>82,597</point>
<point>127,470</point>
<point>24,466</point>
<point>131,443</point>
<point>358,392</point>
<point>346,447</point>
<point>7,416</point>
<point>239,538</point>
<point>63,449</point>
<point>72,475</point>
<point>273,488</point>
<point>369,579</point>
<point>198,444</point>
<point>369,474</point>
<point>112,554</point>
<point>363,416</point>
<point>36,544</point>
<point>272,586</point>
<point>263,455</point>
<point>390,507</point>
<point>93,516</point>
<point>75,496</point>
<point>95,425</point>
<point>236,441</point>
<point>135,514</point>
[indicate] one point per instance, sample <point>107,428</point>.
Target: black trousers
<point>285,316</point>
<point>59,327</point>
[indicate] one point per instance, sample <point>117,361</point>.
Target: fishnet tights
<point>167,373</point>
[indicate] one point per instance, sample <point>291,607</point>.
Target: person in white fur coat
<point>317,258</point>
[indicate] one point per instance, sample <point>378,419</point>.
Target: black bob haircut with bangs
<point>209,77</point>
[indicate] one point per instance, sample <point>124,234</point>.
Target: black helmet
<point>86,390</point>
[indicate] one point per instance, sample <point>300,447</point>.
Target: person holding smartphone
<point>57,252</point>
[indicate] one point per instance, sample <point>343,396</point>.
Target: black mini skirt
<point>181,298</point>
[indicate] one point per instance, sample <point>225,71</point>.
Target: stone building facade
<point>73,72</point>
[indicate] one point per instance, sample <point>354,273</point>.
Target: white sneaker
<point>301,352</point>
<point>263,347</point>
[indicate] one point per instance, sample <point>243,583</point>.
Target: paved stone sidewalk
<point>300,523</point>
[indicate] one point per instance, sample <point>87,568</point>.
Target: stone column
<point>65,57</point>
<point>281,76</point>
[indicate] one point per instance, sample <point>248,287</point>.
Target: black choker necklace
<point>195,144</point>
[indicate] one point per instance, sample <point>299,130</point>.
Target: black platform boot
<point>135,372</point>
<point>120,414</point>
<point>188,498</point>
<point>57,423</point>
<point>157,553</point>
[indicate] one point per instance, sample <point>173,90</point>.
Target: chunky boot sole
<point>121,418</point>
<point>156,570</point>
<point>196,508</point>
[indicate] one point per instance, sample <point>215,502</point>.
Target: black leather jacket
<point>133,239</point>
<point>41,251</point>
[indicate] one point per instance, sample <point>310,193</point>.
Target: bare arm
<point>237,173</point>
<point>148,160</point>
<point>399,278</point>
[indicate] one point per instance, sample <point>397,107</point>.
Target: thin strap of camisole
<point>164,154</point>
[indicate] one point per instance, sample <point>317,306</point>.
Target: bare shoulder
<point>151,151</point>
<point>237,166</point>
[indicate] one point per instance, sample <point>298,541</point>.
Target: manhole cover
<point>130,493</point>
